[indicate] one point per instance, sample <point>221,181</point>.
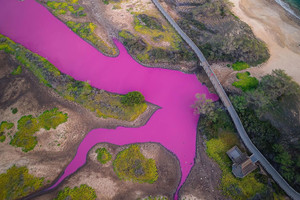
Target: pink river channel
<point>173,126</point>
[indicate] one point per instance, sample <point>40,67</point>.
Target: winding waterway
<point>173,126</point>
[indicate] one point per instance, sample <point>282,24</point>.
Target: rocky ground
<point>107,185</point>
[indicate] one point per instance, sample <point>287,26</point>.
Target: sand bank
<point>270,23</point>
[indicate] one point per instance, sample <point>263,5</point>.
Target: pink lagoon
<point>173,126</point>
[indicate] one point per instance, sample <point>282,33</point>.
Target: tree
<point>204,106</point>
<point>132,98</point>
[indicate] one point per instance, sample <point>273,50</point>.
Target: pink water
<point>173,126</point>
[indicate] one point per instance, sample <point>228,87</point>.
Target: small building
<point>242,164</point>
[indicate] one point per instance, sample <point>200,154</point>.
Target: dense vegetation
<point>103,156</point>
<point>245,82</point>
<point>219,131</point>
<point>233,187</point>
<point>17,183</point>
<point>152,27</point>
<point>219,34</point>
<point>263,112</point>
<point>87,32</point>
<point>77,193</point>
<point>133,98</point>
<point>130,164</point>
<point>4,126</point>
<point>61,8</point>
<point>104,104</point>
<point>29,125</point>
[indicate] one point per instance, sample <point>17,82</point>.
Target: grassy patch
<point>104,104</point>
<point>130,164</point>
<point>29,125</point>
<point>17,183</point>
<point>4,126</point>
<point>240,65</point>
<point>61,8</point>
<point>87,32</point>
<point>17,71</point>
<point>83,192</point>
<point>245,82</point>
<point>232,187</point>
<point>148,25</point>
<point>103,155</point>
<point>52,118</point>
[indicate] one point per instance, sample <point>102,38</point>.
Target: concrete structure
<point>242,164</point>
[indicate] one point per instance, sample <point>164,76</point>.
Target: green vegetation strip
<point>104,104</point>
<point>61,8</point>
<point>103,156</point>
<point>87,32</point>
<point>28,126</point>
<point>17,183</point>
<point>77,193</point>
<point>130,164</point>
<point>245,82</point>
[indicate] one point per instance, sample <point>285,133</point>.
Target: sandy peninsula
<point>272,24</point>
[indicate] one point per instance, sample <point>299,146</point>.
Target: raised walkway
<point>237,122</point>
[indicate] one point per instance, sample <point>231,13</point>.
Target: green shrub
<point>17,71</point>
<point>29,125</point>
<point>245,82</point>
<point>106,2</point>
<point>77,193</point>
<point>130,164</point>
<point>240,65</point>
<point>133,98</point>
<point>103,155</point>
<point>4,126</point>
<point>14,110</point>
<point>17,183</point>
<point>2,137</point>
<point>52,118</point>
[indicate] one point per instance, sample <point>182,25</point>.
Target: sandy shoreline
<point>271,24</point>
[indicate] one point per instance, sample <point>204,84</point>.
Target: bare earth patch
<point>56,147</point>
<point>107,185</point>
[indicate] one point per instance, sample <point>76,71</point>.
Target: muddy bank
<point>56,147</point>
<point>107,185</point>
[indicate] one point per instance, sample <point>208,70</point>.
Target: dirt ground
<point>107,185</point>
<point>55,148</point>
<point>271,23</point>
<point>204,178</point>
